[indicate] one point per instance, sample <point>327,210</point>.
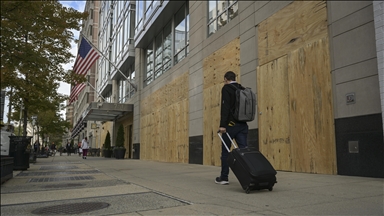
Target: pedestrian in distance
<point>236,129</point>
<point>68,148</point>
<point>35,146</point>
<point>84,147</point>
<point>79,149</point>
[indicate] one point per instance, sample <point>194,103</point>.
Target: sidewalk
<point>100,186</point>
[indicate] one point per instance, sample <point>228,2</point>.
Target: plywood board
<point>214,67</point>
<point>164,128</point>
<point>311,109</point>
<point>299,23</point>
<point>294,41</point>
<point>273,107</point>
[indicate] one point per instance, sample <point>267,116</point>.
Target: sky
<point>78,5</point>
<point>64,87</point>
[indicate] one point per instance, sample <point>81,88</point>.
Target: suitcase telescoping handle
<point>222,140</point>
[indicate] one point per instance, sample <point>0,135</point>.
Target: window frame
<point>167,61</point>
<point>213,22</point>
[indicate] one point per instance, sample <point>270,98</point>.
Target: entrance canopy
<point>98,111</point>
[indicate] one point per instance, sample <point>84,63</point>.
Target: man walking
<point>68,148</point>
<point>236,129</point>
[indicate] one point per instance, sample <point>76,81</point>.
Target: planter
<point>6,169</point>
<point>107,153</point>
<point>18,150</point>
<point>119,153</point>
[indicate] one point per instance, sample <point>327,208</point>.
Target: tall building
<point>315,67</point>
<point>82,126</point>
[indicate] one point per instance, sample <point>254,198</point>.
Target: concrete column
<point>378,9</point>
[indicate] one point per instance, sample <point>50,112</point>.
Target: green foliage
<point>17,130</point>
<point>36,40</point>
<point>107,142</point>
<point>120,137</point>
<point>51,124</point>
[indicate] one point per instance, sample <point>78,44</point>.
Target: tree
<point>35,42</point>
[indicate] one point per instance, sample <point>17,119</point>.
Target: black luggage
<point>251,168</point>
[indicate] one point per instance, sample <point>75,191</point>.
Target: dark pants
<point>239,132</point>
<point>85,151</point>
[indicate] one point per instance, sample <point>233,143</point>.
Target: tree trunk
<point>25,121</point>
<point>9,107</point>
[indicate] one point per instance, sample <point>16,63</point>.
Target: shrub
<point>107,142</point>
<point>120,137</point>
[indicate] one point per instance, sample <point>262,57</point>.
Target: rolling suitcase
<point>250,167</point>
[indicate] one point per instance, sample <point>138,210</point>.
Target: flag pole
<point>101,54</point>
<point>94,89</point>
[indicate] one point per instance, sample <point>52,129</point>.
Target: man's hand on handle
<point>222,130</point>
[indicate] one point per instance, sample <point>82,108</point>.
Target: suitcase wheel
<point>270,189</point>
<point>247,190</point>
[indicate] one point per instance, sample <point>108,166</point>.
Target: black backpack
<point>245,104</point>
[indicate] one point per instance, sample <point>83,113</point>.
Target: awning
<point>98,111</point>
<point>80,125</point>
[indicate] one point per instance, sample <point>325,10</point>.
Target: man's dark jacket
<point>228,99</point>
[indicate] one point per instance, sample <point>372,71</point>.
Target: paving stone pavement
<point>70,185</point>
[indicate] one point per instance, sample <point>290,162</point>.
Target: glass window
<point>180,34</point>
<point>222,20</point>
<point>115,13</point>
<point>121,6</point>
<point>212,28</point>
<point>122,91</point>
<point>148,8</point>
<point>121,33</point>
<point>220,12</point>
<point>169,43</point>
<point>139,14</point>
<point>126,30</point>
<point>187,30</point>
<point>233,11</point>
<point>212,12</point>
<point>221,6</point>
<point>91,13</point>
<point>132,26</point>
<point>149,54</point>
<point>179,30</point>
<point>167,49</point>
<point>113,53</point>
<point>158,55</point>
<point>132,77</point>
<point>108,97</point>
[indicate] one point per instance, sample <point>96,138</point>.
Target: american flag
<point>85,59</point>
<point>76,91</point>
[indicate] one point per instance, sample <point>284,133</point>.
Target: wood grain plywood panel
<point>299,23</point>
<point>164,119</point>
<point>311,112</point>
<point>218,63</point>
<point>273,106</point>
<point>214,67</point>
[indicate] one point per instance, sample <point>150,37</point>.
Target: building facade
<point>81,126</point>
<point>316,68</point>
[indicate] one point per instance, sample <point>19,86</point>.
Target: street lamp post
<point>34,118</point>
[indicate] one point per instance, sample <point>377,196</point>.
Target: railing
<point>94,152</point>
